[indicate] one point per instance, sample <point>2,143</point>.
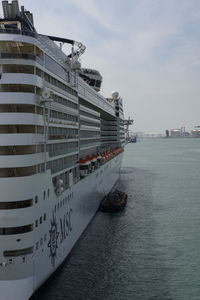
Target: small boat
<point>133,139</point>
<point>113,202</point>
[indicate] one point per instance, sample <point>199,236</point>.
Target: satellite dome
<point>115,95</point>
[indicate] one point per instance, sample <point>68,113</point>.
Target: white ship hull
<point>63,226</point>
<point>61,145</point>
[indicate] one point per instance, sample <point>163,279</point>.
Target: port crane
<point>127,123</point>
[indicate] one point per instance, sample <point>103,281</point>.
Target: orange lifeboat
<point>83,162</point>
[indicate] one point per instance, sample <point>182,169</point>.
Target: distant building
<point>196,132</point>
<point>179,133</point>
<point>139,134</point>
<point>153,135</point>
<point>176,132</point>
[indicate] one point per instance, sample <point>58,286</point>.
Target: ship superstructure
<point>61,146</point>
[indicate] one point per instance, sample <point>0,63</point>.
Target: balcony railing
<point>62,136</point>
<point>64,151</point>
<point>62,167</point>
<point>22,32</point>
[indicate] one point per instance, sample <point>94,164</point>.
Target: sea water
<point>151,250</point>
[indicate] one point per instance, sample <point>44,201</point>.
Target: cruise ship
<point>61,146</point>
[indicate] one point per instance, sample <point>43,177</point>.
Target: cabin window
<point>90,123</point>
<point>98,83</point>
<point>63,116</point>
<point>18,172</point>
<point>54,67</point>
<point>17,88</point>
<point>16,230</point>
<point>18,252</point>
<point>24,69</point>
<point>20,108</point>
<point>21,129</point>
<point>92,82</point>
<point>65,102</point>
<point>16,204</point>
<point>20,47</point>
<point>90,115</point>
<point>10,261</point>
<point>18,69</point>
<point>59,84</point>
<point>18,56</point>
<point>18,150</point>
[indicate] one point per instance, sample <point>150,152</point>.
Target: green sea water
<point>176,192</point>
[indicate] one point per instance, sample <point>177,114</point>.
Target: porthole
<point>40,220</point>
<point>36,223</point>
<point>36,199</point>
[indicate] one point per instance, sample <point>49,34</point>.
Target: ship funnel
<point>10,10</point>
<point>15,9</point>
<point>5,9</point>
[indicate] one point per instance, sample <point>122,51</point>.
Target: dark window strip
<point>16,204</point>
<point>16,230</point>
<point>18,252</point>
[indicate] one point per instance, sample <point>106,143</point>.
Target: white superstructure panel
<point>13,118</point>
<point>13,139</point>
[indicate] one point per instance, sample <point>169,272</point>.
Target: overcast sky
<point>148,50</point>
